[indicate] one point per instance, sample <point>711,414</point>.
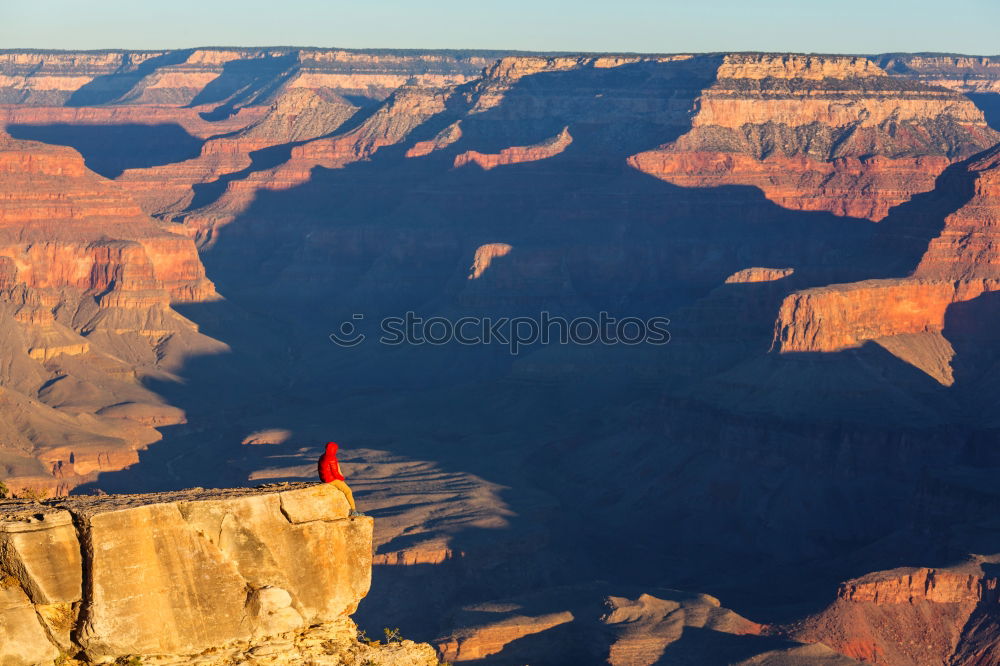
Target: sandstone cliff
<point>388,125</point>
<point>821,133</point>
<point>967,74</point>
<point>87,287</point>
<point>193,577</point>
<point>517,154</point>
<point>216,76</point>
<point>916,616</point>
<point>295,116</point>
<point>959,264</point>
<point>485,121</point>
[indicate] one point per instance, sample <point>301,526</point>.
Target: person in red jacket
<point>329,472</point>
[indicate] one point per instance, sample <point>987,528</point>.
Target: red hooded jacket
<point>329,469</point>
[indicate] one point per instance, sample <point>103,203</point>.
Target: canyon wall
<point>821,133</point>
<point>201,576</point>
<point>952,614</point>
<point>213,76</point>
<point>964,73</point>
<point>819,230</point>
<point>958,264</point>
<point>86,302</point>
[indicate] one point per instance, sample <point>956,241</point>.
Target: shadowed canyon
<point>804,474</point>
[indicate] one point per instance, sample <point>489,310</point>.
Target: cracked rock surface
<point>196,575</point>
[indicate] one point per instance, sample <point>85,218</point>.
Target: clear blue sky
<point>826,26</point>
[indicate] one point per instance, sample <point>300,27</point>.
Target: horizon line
<point>492,51</point>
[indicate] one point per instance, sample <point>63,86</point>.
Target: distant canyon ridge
<point>805,474</point>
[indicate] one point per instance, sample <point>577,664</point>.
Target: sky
<point>655,26</point>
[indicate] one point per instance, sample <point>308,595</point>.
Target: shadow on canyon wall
<point>989,104</point>
<point>243,81</point>
<point>111,149</point>
<point>679,466</point>
<point>115,86</point>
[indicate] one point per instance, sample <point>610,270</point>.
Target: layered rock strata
<point>517,154</point>
<point>86,287</point>
<point>949,615</point>
<point>821,133</point>
<point>963,73</point>
<point>239,77</point>
<point>959,264</point>
<point>296,116</point>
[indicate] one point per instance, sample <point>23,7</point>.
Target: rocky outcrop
<point>916,616</point>
<point>517,154</point>
<point>838,317</point>
<point>758,274</point>
<point>471,643</point>
<point>485,254</point>
<point>959,264</point>
<point>913,585</point>
<point>260,576</point>
<point>820,133</point>
<point>863,187</point>
<point>441,140</point>
<point>600,624</point>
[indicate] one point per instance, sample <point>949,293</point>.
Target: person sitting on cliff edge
<point>329,472</point>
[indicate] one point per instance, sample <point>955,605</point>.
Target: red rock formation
<point>517,154</point>
<point>297,115</point>
<point>406,109</point>
<point>86,276</point>
<point>757,274</point>
<point>864,187</point>
<point>909,616</point>
<point>480,642</point>
<point>587,624</point>
<point>52,207</point>
<point>842,316</point>
<point>820,133</point>
<point>913,585</point>
<point>961,263</point>
<point>969,245</point>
